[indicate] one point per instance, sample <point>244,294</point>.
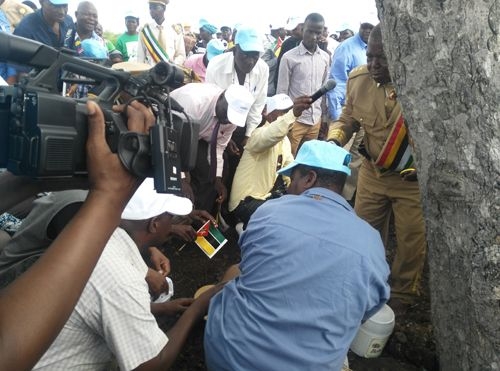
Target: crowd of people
<point>311,186</point>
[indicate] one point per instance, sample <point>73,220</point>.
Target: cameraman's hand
<point>300,104</point>
<point>221,190</point>
<point>106,172</point>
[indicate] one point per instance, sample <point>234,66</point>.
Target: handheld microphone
<point>327,86</point>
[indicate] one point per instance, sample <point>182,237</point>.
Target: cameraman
<point>56,281</point>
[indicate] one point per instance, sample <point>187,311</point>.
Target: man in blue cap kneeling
<point>311,271</point>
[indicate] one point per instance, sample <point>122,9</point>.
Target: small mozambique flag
<point>210,239</point>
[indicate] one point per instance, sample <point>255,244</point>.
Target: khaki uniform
<point>375,108</point>
<point>15,11</point>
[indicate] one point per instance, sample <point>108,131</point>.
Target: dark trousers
<point>203,187</point>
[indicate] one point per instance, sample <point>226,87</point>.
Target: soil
<point>411,347</point>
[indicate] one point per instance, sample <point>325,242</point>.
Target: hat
<point>249,40</point>
<point>147,203</point>
<point>207,26</point>
<point>131,14</point>
<point>134,68</point>
<point>321,154</point>
<point>59,2</point>
<point>161,2</point>
<point>239,101</point>
<point>215,47</point>
<point>279,101</point>
<point>293,22</point>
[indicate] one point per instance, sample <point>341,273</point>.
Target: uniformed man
<point>14,11</point>
<point>387,178</point>
<point>157,39</point>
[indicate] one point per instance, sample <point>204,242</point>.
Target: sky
<point>256,13</point>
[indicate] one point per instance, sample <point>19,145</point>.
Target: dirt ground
<point>410,348</point>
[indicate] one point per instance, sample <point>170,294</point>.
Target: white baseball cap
<point>279,101</point>
<point>147,203</point>
<point>239,101</point>
<point>293,22</point>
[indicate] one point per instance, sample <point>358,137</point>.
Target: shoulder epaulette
<point>359,71</point>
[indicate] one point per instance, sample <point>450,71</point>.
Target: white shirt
<point>174,44</point>
<point>220,71</point>
<point>112,317</point>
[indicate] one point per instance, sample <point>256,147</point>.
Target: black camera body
<point>43,134</point>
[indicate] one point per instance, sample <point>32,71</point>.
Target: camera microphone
<point>327,86</point>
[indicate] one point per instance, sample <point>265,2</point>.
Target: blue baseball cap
<point>249,40</point>
<point>59,2</point>
<point>207,26</point>
<point>215,47</point>
<point>321,154</point>
<point>92,48</point>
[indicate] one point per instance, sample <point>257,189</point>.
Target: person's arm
<point>267,136</point>
<point>159,261</point>
<point>171,308</point>
<point>222,142</point>
<point>341,131</point>
<point>255,114</point>
<point>178,334</point>
<point>35,307</point>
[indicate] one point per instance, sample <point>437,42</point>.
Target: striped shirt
<point>302,73</point>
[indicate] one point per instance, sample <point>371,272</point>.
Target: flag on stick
<point>209,239</point>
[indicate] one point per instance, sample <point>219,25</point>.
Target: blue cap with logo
<point>321,154</point>
<point>249,40</point>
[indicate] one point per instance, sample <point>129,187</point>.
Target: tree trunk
<point>444,59</point>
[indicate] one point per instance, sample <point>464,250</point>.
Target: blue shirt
<point>350,54</point>
<point>311,271</point>
<point>34,27</point>
<point>6,71</point>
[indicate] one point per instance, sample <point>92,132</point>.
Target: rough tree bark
<point>444,58</point>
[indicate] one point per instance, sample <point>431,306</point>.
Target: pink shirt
<point>195,62</point>
<point>199,102</point>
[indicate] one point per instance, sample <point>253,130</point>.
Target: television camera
<point>43,134</point>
